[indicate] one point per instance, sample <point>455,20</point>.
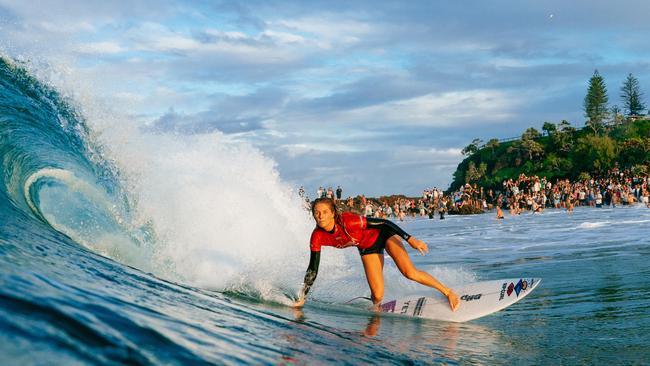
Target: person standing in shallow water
<point>499,213</point>
<point>371,236</point>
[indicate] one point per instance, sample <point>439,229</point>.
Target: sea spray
<point>223,218</point>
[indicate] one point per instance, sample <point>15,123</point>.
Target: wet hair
<point>332,205</point>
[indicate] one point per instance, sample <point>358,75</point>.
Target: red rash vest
<point>356,233</point>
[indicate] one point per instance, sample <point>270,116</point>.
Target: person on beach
<point>371,236</point>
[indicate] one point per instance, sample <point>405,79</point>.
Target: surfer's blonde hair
<point>330,202</point>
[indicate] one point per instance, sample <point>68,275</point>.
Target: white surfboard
<point>476,300</point>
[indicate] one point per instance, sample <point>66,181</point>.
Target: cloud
<point>95,12</point>
<point>367,91</point>
<point>201,123</point>
<point>228,114</point>
<point>329,30</point>
<point>326,147</point>
<point>98,48</point>
<point>242,15</point>
<point>295,150</point>
<point>7,14</point>
<point>265,47</point>
<point>435,109</point>
<point>218,55</point>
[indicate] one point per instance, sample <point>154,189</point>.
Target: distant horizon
<point>379,98</point>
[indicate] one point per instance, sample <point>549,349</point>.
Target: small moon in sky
<point>550,16</point>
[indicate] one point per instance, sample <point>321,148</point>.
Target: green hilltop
<point>561,151</point>
<point>607,140</point>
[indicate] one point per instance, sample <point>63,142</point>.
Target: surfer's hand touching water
<point>454,301</point>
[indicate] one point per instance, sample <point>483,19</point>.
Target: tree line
<point>611,137</point>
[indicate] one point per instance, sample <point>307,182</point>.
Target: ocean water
<point>122,246</point>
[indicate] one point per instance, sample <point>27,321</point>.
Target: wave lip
<point>41,130</point>
<point>53,171</point>
<point>47,175</point>
<point>86,214</point>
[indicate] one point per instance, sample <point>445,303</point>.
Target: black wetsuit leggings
<point>380,244</point>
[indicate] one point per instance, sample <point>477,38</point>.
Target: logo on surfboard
<point>522,285</point>
<point>471,297</point>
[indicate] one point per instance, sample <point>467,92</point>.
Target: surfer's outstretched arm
<point>310,277</point>
<point>375,223</point>
<point>417,244</point>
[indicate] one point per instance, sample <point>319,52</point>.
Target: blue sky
<point>377,96</point>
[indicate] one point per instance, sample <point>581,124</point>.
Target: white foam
<point>592,225</point>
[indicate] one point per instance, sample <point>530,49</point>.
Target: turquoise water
<point>81,280</point>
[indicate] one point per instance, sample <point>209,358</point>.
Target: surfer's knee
<point>411,273</point>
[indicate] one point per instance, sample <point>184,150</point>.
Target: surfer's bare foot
<point>298,304</point>
<point>454,301</point>
<point>298,314</point>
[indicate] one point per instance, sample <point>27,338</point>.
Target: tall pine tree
<point>595,103</point>
<point>631,96</point>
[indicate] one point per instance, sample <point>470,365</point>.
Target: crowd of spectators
<point>526,193</point>
<point>392,207</point>
<point>532,193</point>
<point>614,188</point>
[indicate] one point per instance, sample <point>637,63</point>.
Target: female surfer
<point>371,236</point>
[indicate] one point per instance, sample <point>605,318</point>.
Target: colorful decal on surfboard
<point>518,287</point>
<point>522,285</point>
<point>389,307</point>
